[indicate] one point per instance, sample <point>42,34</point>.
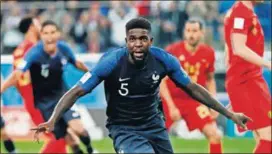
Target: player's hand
<point>43,128</point>
<point>240,119</point>
<point>174,113</point>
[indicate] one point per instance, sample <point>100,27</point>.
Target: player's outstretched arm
<point>11,80</point>
<point>240,49</point>
<point>200,94</point>
<point>66,102</point>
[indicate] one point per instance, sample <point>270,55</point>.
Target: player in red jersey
<point>245,84</point>
<point>30,27</point>
<point>198,61</point>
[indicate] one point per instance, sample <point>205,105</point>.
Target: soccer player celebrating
<point>198,61</point>
<point>245,84</point>
<point>131,77</point>
<point>45,62</point>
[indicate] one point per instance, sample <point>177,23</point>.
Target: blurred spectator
<point>100,25</point>
<point>12,37</point>
<point>119,15</point>
<point>172,19</point>
<point>79,32</point>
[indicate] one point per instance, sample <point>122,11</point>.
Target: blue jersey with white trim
<point>133,94</point>
<point>46,73</point>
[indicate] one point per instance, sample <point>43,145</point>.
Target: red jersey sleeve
<point>241,20</point>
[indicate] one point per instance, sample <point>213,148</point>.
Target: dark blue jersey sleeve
<point>173,67</point>
<point>66,49</point>
<point>176,72</point>
<point>101,71</point>
<point>29,58</point>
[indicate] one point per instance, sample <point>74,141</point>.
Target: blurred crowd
<point>93,27</point>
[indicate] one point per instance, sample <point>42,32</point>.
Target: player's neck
<point>31,37</point>
<point>249,4</point>
<point>191,49</point>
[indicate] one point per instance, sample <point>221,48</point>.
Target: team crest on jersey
<point>254,31</point>
<point>63,61</point>
<point>155,78</point>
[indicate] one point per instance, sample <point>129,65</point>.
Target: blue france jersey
<point>133,94</point>
<point>46,73</point>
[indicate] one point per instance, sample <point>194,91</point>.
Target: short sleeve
<point>102,70</point>
<point>242,21</point>
<point>176,72</point>
<point>29,58</point>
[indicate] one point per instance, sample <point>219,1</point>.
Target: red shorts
<point>195,114</point>
<point>254,100</point>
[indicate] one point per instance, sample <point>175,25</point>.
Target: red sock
<point>264,146</point>
<point>215,148</point>
<point>55,146</point>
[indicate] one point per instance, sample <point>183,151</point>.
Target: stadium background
<point>93,28</point>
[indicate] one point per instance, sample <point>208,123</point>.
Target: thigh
<point>127,141</point>
<point>158,136</point>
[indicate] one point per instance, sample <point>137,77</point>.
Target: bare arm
<point>11,80</point>
<point>241,50</point>
<point>203,96</point>
<point>81,66</point>
<point>66,102</point>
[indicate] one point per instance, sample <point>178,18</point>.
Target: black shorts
<point>2,122</point>
<point>60,129</point>
<point>151,137</point>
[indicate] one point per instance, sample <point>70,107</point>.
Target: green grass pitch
<point>230,145</point>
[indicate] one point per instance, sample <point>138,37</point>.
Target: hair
<point>196,20</point>
<point>138,22</point>
<point>25,24</point>
<point>49,22</point>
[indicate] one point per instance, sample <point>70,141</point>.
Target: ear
<point>151,40</point>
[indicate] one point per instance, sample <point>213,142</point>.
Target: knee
<point>77,127</point>
<point>4,135</point>
<point>214,137</point>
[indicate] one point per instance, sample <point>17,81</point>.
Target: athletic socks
<point>215,148</point>
<point>9,145</point>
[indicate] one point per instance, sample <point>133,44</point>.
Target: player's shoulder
<point>35,51</point>
<point>206,48</point>
<point>161,54</point>
<point>174,46</point>
<point>240,10</point>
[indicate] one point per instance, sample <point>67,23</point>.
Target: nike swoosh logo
<point>124,79</point>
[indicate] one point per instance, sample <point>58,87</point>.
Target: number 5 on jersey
<point>123,91</point>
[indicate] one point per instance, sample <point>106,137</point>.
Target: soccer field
<point>230,145</point>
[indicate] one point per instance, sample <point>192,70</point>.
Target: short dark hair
<point>196,20</point>
<point>138,22</point>
<point>25,23</point>
<point>49,22</point>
